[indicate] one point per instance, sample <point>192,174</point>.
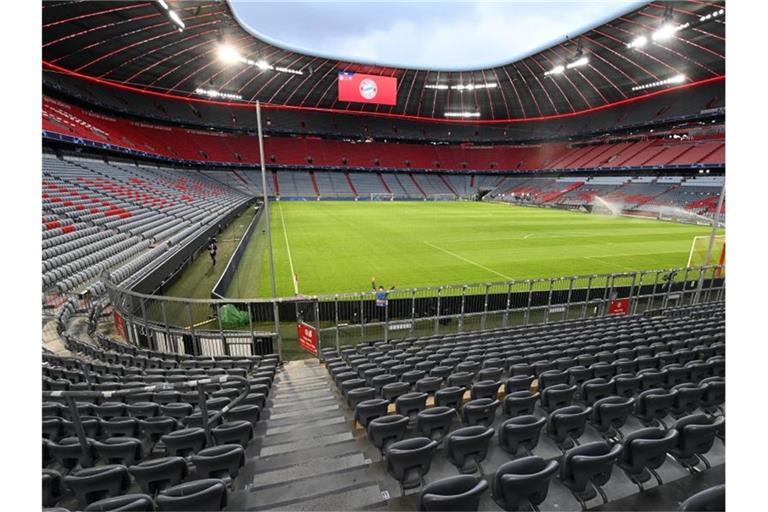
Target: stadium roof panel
<point>136,44</point>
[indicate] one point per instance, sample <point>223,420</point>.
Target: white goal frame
<point>441,197</point>
<point>382,196</point>
<point>716,258</point>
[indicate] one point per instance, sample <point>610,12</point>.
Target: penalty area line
<point>290,258</point>
<point>462,258</point>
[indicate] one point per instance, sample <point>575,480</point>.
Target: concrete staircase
<point>305,457</point>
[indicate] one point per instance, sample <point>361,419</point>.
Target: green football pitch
<point>334,247</point>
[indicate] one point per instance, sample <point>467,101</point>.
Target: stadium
<point>277,280</point>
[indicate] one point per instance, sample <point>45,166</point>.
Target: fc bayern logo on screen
<point>368,89</point>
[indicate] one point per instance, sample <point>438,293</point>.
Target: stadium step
<point>307,457</point>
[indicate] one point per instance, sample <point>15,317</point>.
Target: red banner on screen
<point>307,337</point>
<point>362,88</point>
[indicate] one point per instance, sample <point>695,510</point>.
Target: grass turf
<point>336,247</point>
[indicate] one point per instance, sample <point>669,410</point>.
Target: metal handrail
<point>72,396</point>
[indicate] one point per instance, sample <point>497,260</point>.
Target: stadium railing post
<point>250,326</point>
<point>386,320</point>
<point>195,345</point>
<point>438,312</point>
<point>568,299</point>
<point>587,298</point>
<point>549,301</point>
<point>362,318</point>
<point>79,430</point>
<point>167,328</point>
<point>336,320</point>
<point>319,331</point>
<point>485,308</point>
<point>527,314</point>
<point>463,302</point>
<point>221,330</point>
<point>505,317</point>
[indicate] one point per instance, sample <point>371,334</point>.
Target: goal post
<point>698,253</point>
<point>382,196</point>
<point>441,197</point>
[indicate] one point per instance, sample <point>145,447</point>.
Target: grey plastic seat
<point>120,450</point>
<point>233,432</point>
<point>714,394</point>
<point>222,461</point>
<point>595,389</point>
<point>53,489</point>
<point>653,405</point>
<point>127,502</point>
<point>521,432</point>
<point>199,495</point>
<point>435,422</point>
<point>410,404</point>
<point>481,411</point>
<point>610,414</point>
<point>409,460</point>
<point>120,426</point>
<point>451,396</point>
<point>523,483</point>
<point>454,493</point>
<point>708,500</point>
<point>156,474</point>
<point>557,396</point>
<point>485,389</point>
<point>155,427</point>
<point>69,454</point>
<point>184,442</point>
<point>586,468</point>
<point>357,395</point>
<point>645,450</point>
<point>428,385</point>
<point>467,447</point>
<point>687,400</point>
<point>552,377</point>
<point>490,373</point>
<point>369,409</point>
<point>519,403</point>
<point>567,424</point>
<point>93,484</point>
<point>247,412</point>
<point>385,430</point>
<point>518,383</point>
<point>393,390</point>
<point>626,385</point>
<point>696,435</point>
<point>460,378</point>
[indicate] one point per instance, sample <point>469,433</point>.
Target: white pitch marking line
<point>290,258</point>
<point>468,261</point>
<point>600,260</point>
<point>528,235</point>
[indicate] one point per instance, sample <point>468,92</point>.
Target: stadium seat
<point>481,411</point>
<point>222,461</point>
<point>410,404</point>
<point>53,488</point>
<point>184,442</point>
<point>127,502</point>
<point>519,403</point>
<point>653,405</point>
<point>521,432</point>
<point>369,409</point>
<point>453,493</point>
<point>557,396</point>
<point>467,447</point>
<point>523,483</point>
<point>696,435</point>
<point>595,389</point>
<point>485,389</point>
<point>409,460</point>
<point>157,474</point>
<point>567,424</point>
<point>204,495</point>
<point>93,484</point>
<point>435,422</point>
<point>708,500</point>
<point>120,450</point>
<point>645,450</point>
<point>585,469</point>
<point>450,396</point>
<point>518,383</point>
<point>385,430</point>
<point>609,414</point>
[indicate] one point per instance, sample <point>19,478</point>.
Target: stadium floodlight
<point>638,42</point>
<point>440,87</point>
<point>163,4</point>
<point>555,71</point>
<point>462,114</point>
<point>668,30</point>
<point>583,61</point>
<point>677,79</point>
<point>262,64</point>
<point>471,86</point>
<point>229,54</point>
<point>212,93</point>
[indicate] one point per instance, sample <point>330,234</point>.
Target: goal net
<point>441,197</point>
<point>376,196</point>
<point>699,247</point>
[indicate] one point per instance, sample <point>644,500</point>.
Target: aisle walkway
<point>306,457</point>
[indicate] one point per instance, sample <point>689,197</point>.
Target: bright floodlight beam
<point>583,61</point>
<point>176,20</point>
<point>229,54</point>
<point>665,32</point>
<point>638,42</point>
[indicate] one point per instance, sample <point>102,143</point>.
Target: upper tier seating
<point>197,145</point>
